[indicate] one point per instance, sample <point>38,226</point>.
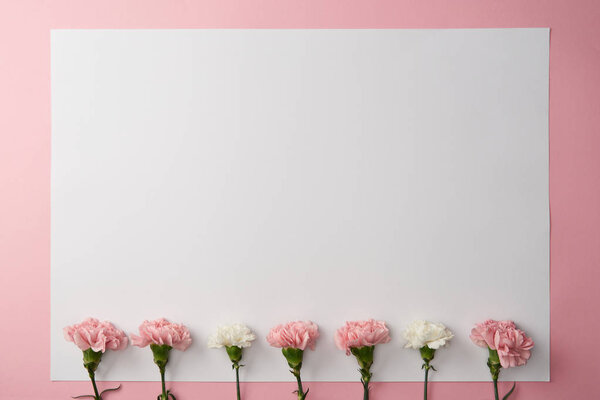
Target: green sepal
<point>427,354</point>
<point>161,354</point>
<point>293,357</point>
<point>234,353</point>
<point>364,355</point>
<point>494,364</point>
<point>91,360</point>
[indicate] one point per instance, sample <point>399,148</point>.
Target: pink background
<point>25,174</point>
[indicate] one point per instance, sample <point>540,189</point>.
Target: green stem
<point>496,389</point>
<point>162,380</point>
<point>495,367</point>
<point>93,379</point>
<point>426,378</point>
<point>301,394</point>
<point>237,380</point>
<point>366,375</point>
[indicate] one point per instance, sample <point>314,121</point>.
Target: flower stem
<point>301,394</point>
<point>93,379</point>
<point>365,379</point>
<point>426,379</point>
<point>365,383</point>
<point>162,380</point>
<point>237,379</point>
<point>496,389</point>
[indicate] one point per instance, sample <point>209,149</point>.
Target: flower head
<point>297,335</point>
<point>512,345</point>
<point>96,335</point>
<point>162,332</point>
<point>356,334</point>
<point>422,333</point>
<point>238,335</point>
<point>483,334</point>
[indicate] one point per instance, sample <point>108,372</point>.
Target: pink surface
<point>25,174</point>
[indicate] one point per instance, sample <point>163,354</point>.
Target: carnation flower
<point>94,338</point>
<point>234,338</point>
<point>162,336</point>
<point>296,335</point>
<point>99,336</point>
<point>238,335</point>
<point>357,334</point>
<point>360,338</point>
<point>422,333</point>
<point>426,337</point>
<point>162,332</point>
<point>483,334</point>
<point>293,338</point>
<point>507,347</point>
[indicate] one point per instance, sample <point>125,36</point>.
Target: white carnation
<point>433,334</point>
<point>231,335</point>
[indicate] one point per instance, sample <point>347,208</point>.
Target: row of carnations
<point>507,345</point>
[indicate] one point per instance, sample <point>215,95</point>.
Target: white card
<point>261,176</point>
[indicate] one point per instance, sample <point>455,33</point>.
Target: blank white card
<point>261,176</point>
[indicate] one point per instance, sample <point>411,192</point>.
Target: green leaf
<point>110,390</point>
<point>510,392</point>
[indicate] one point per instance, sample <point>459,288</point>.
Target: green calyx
<point>427,354</point>
<point>91,360</point>
<point>494,364</point>
<point>234,353</point>
<point>293,357</point>
<point>364,356</point>
<point>161,354</point>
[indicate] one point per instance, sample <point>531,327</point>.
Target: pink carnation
<point>162,332</point>
<point>297,335</point>
<point>99,336</point>
<point>483,334</point>
<point>512,344</point>
<point>361,334</point>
